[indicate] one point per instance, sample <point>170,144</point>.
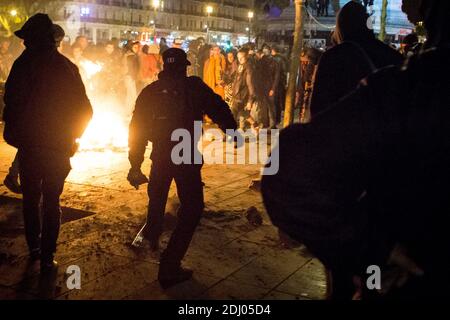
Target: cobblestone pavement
<point>232,258</point>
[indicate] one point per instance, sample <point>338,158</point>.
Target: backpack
<point>171,110</point>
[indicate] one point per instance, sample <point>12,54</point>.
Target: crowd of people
<point>251,80</point>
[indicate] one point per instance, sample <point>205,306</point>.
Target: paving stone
<point>90,198</point>
<point>13,247</point>
<point>276,295</point>
<point>266,235</point>
<point>231,290</point>
<point>308,282</point>
<point>116,285</point>
<point>222,262</point>
<point>92,267</point>
<point>231,259</point>
<point>271,268</point>
<point>187,290</point>
<point>11,294</point>
<point>15,271</point>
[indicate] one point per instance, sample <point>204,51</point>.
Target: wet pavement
<point>233,254</point>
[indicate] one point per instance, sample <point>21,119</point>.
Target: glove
<point>136,178</point>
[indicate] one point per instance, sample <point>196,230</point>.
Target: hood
<point>351,24</point>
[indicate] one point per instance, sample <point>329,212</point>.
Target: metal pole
<point>207,29</point>
<point>154,24</point>
<point>382,35</point>
<point>294,67</point>
<point>131,18</point>
<point>249,29</point>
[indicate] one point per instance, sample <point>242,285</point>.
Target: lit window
<point>85,11</point>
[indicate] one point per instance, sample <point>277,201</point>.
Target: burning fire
<point>90,68</point>
<point>108,129</point>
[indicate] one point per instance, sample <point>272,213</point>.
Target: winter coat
<point>267,75</point>
<point>213,73</point>
<point>230,72</point>
<point>150,65</point>
<point>45,102</point>
<point>359,53</point>
<point>244,87</point>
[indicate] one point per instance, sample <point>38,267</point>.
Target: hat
<point>58,32</point>
<point>174,56</point>
<point>36,26</point>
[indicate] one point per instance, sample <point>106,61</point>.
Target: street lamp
<point>156,5</point>
<point>250,15</point>
<point>13,12</point>
<point>209,11</point>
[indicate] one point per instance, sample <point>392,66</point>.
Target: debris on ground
<point>255,185</point>
<point>287,242</point>
<point>253,216</point>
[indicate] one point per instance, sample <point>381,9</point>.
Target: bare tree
<point>382,35</point>
<point>14,13</point>
<point>294,64</point>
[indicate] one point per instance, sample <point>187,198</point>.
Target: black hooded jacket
<point>189,99</point>
<point>357,54</point>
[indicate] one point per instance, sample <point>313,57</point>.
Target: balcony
<point>111,21</point>
<point>118,3</point>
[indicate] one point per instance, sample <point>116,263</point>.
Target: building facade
<point>280,28</point>
<point>147,20</point>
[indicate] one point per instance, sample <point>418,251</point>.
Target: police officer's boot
<point>169,276</point>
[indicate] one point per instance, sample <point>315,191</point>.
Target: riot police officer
<point>174,102</point>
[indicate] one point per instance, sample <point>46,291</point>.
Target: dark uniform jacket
<point>371,171</point>
<point>244,86</point>
<point>267,75</point>
<point>45,102</point>
<point>194,99</point>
